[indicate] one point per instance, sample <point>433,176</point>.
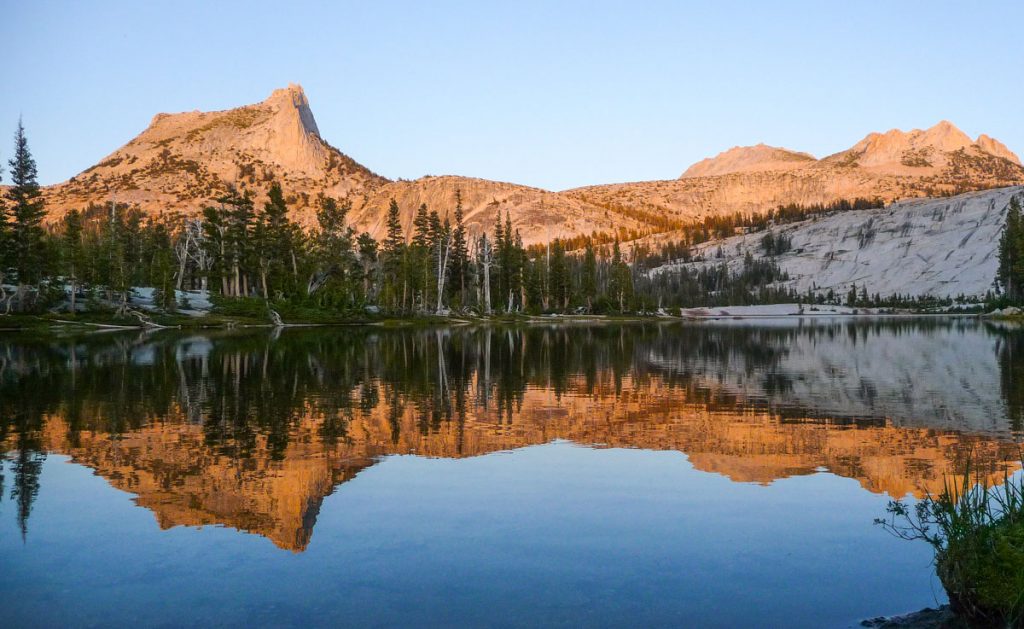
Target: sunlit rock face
<point>943,247</point>
<point>182,162</point>
<point>539,215</point>
<point>251,431</point>
<point>935,152</point>
<point>748,159</point>
<point>895,165</point>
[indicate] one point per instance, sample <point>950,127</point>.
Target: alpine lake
<point>720,473</point>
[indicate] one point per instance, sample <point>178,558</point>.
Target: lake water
<point>716,474</point>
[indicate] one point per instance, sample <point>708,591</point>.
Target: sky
<point>553,94</point>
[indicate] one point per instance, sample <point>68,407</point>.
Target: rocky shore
<point>927,618</point>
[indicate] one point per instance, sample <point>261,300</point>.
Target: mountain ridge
<point>182,161</point>
<point>891,152</point>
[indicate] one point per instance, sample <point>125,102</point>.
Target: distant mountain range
<point>182,161</point>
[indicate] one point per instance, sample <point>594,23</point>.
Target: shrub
<point>977,532</point>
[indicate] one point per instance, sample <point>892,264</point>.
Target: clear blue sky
<point>554,94</point>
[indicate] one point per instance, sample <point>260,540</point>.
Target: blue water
<point>547,532</point>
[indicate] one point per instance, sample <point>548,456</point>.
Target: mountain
<point>180,162</point>
<point>539,215</point>
<point>749,159</point>
<point>941,151</point>
<point>894,165</point>
<point>183,161</point>
<point>280,498</point>
<point>933,151</point>
<point>940,247</point>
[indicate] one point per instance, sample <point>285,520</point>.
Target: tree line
<point>241,251</point>
<point>1011,254</point>
<point>93,258</point>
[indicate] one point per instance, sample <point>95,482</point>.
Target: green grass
<point>977,532</point>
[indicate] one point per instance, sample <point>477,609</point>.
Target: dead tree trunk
<point>442,268</point>
<point>485,261</point>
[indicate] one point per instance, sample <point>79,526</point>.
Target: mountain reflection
<point>252,429</point>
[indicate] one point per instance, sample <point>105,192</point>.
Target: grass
<point>977,531</point>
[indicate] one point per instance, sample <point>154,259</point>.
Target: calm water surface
<point>724,474</point>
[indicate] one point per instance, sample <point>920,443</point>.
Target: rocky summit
<point>895,165</point>
<point>182,162</point>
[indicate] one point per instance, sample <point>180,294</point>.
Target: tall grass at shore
<point>977,531</point>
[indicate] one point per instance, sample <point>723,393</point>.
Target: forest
<point>254,258</point>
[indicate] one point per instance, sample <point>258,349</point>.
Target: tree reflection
<point>1010,350</point>
<point>248,392</point>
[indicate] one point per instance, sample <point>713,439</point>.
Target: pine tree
<point>237,210</point>
<point>436,236</point>
<point>161,265</point>
<point>117,270</point>
<point>72,253</point>
<point>132,236</point>
<point>534,289</point>
<point>215,248</point>
<point>620,280</point>
<point>851,297</point>
<point>499,255</point>
<point>588,281</point>
<point>443,248</point>
<point>517,263</point>
<point>1011,253</point>
<point>485,253</point>
<point>5,247</point>
<point>460,253</point>
<point>418,254</point>
<point>335,261</point>
<point>368,256</point>
<point>26,211</point>
<point>559,282</point>
<point>421,227</point>
<point>274,238</point>
<point>394,261</point>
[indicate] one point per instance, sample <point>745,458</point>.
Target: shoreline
<point>99,323</point>
<point>941,617</point>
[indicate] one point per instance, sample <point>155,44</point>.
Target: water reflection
<point>253,430</point>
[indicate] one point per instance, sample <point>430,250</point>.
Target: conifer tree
<point>460,253</point>
<point>533,288</point>
<point>117,269</point>
<point>559,281</point>
<point>418,269</point>
<point>442,261</point>
<point>72,253</point>
<point>588,281</point>
<point>238,214</point>
<point>26,215</point>
<point>851,297</point>
<point>485,253</point>
<point>394,261</point>
<point>275,240</point>
<point>5,247</point>
<point>1011,253</point>
<point>335,263</point>
<point>367,248</point>
<point>161,264</point>
<point>620,280</point>
<point>215,245</point>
